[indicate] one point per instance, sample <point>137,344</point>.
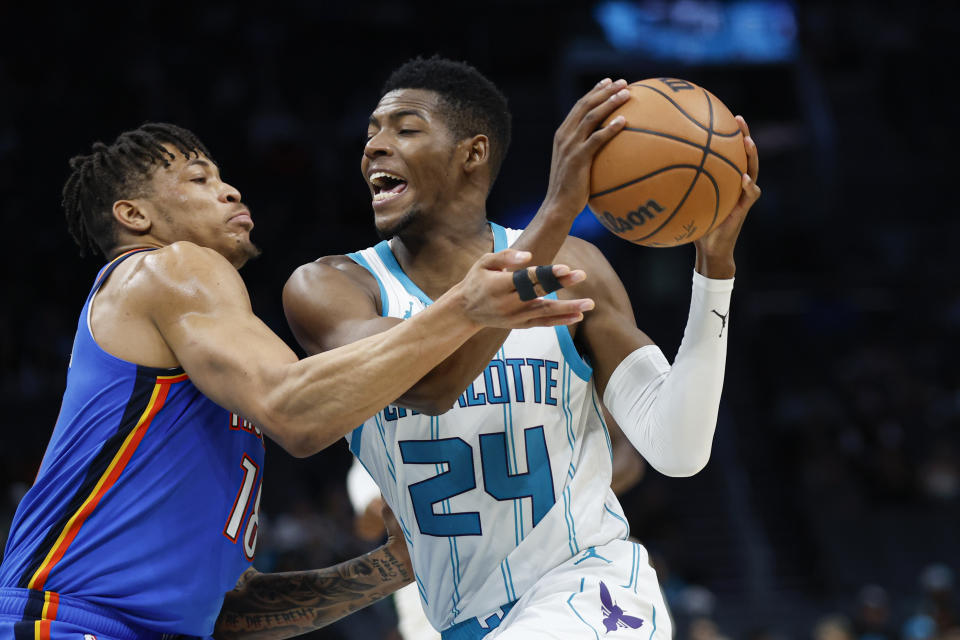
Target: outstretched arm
<point>332,302</point>
<point>270,606</point>
<point>329,303</point>
<point>199,305</point>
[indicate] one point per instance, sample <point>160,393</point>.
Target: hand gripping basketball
<point>576,142</point>
<point>674,172</point>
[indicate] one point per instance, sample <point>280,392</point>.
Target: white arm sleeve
<point>670,413</point>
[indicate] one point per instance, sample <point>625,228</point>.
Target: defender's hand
<point>577,141</point>
<point>489,296</point>
<point>715,249</point>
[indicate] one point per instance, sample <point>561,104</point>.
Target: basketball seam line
<point>693,182</point>
<point>716,199</point>
<point>685,141</point>
<point>642,178</point>
<point>653,173</point>
<point>687,115</point>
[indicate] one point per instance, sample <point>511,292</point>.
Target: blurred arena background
<point>831,506</point>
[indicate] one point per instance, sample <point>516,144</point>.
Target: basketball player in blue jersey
<point>497,463</point>
<point>145,511</point>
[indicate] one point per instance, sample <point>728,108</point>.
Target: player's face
<point>189,201</point>
<point>408,159</point>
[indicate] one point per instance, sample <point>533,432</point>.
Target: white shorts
<point>604,592</point>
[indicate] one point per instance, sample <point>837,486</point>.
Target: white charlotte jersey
<point>511,482</point>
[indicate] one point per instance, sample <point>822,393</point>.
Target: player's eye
<point>408,131</point>
<point>199,180</point>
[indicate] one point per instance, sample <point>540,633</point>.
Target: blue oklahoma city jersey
<point>510,483</point>
<point>146,504</point>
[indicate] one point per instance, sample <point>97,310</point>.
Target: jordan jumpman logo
<point>723,319</point>
<point>591,553</point>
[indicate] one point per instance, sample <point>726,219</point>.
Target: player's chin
<point>390,223</point>
<point>243,252</point>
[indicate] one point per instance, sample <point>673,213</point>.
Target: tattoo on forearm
<point>270,606</point>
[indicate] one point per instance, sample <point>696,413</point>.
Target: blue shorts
<point>46,630</point>
<point>26,614</point>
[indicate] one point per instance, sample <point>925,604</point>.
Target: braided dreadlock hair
<point>120,170</point>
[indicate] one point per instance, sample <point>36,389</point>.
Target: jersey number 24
<point>460,477</point>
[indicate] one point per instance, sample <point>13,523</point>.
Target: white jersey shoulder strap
<point>400,297</point>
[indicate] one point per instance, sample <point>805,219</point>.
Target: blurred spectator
<point>919,627</point>
<point>872,618</point>
<point>939,475</point>
<point>940,596</point>
<point>764,633</point>
<point>704,629</point>
<point>832,627</point>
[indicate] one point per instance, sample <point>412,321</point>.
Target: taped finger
<point>524,285</point>
<point>547,280</point>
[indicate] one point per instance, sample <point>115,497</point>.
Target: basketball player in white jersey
<point>367,502</point>
<point>498,462</point>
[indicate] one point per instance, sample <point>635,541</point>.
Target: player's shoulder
<point>328,270</point>
<point>174,279</point>
<point>183,257</point>
<point>180,266</point>
<point>329,275</point>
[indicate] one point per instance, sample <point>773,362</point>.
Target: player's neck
<point>438,258</point>
<point>125,247</point>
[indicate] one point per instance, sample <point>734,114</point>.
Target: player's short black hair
<point>120,170</point>
<point>472,104</point>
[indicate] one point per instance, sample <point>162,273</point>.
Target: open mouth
<point>386,186</point>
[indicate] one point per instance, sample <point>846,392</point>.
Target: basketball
<point>673,173</point>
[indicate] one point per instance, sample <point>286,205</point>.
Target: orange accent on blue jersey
<point>128,509</point>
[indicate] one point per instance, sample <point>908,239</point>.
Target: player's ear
<point>477,152</point>
<point>130,216</point>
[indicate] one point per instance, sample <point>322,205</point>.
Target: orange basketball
<point>673,173</point>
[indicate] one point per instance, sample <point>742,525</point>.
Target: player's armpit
<point>609,333</point>
<point>628,465</point>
